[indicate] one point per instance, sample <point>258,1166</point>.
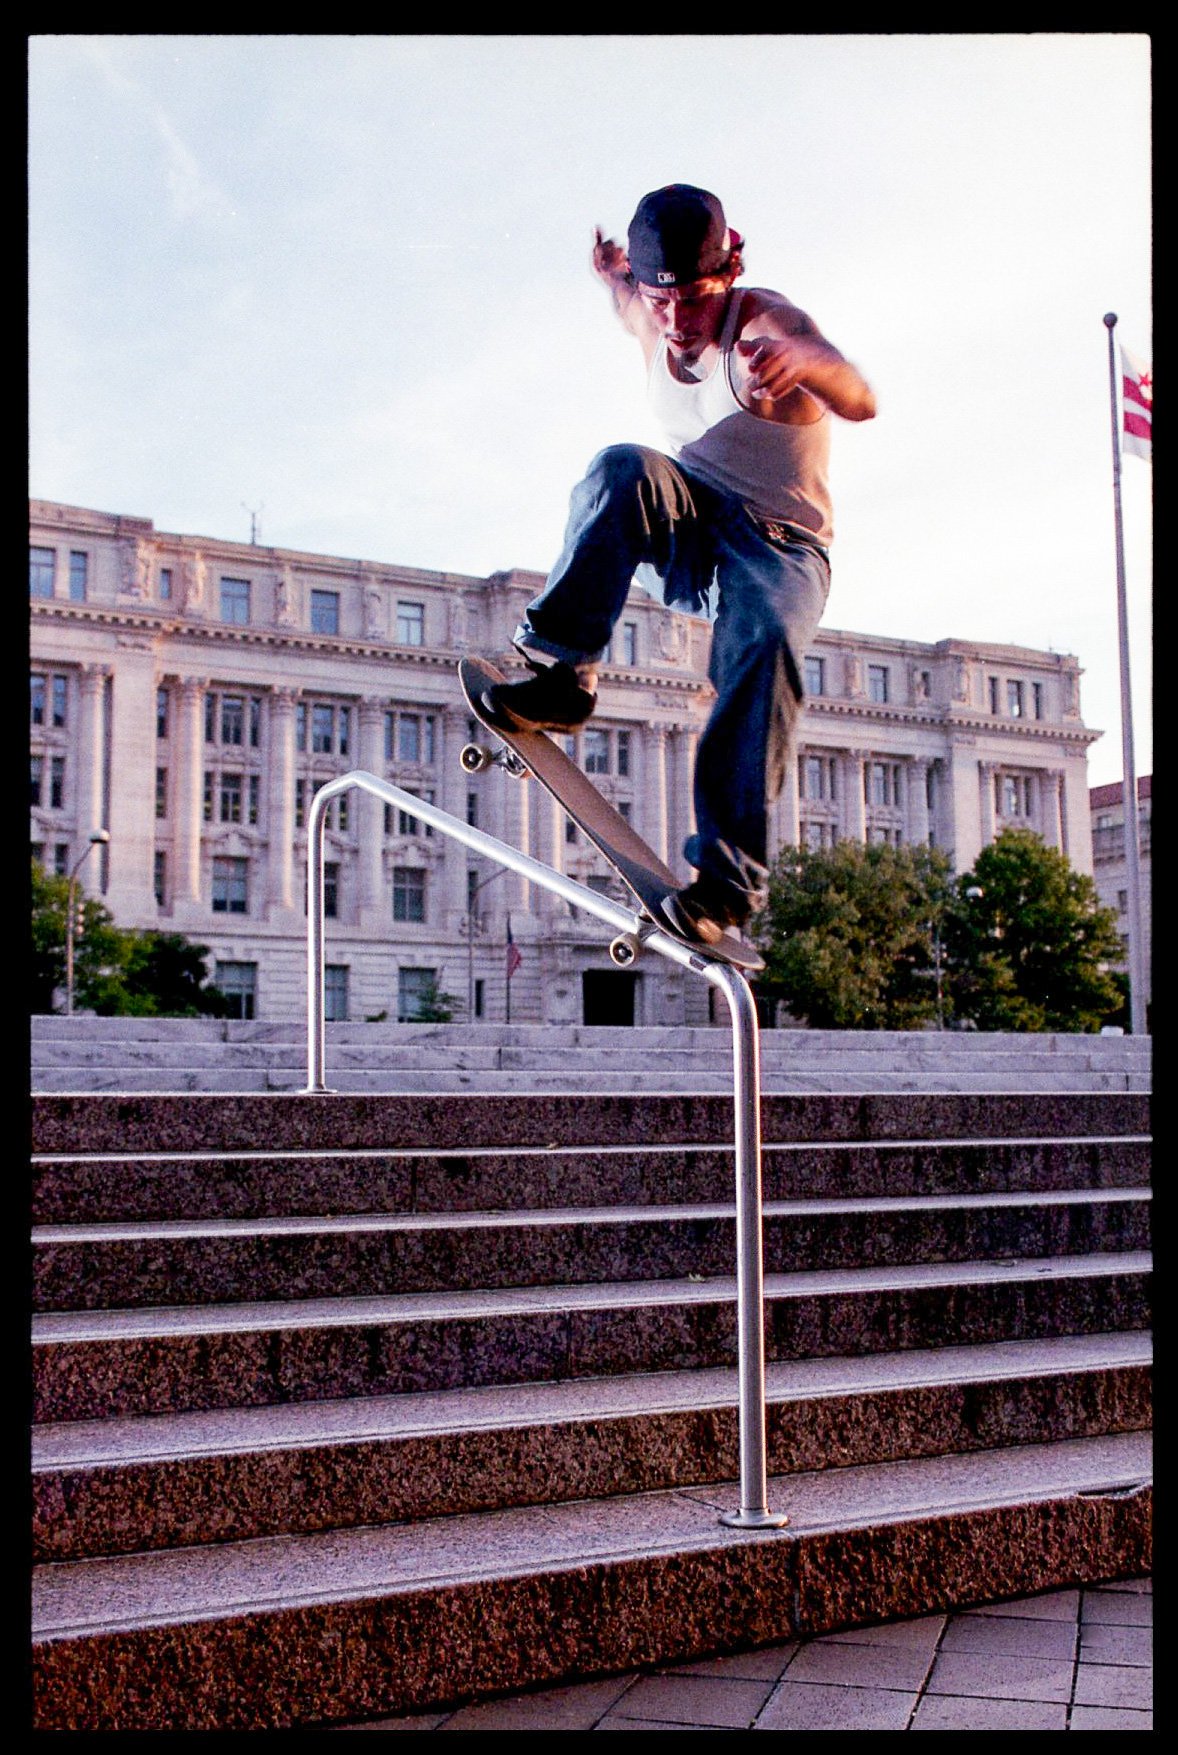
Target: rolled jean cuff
<point>526,640</point>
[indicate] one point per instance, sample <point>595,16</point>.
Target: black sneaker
<point>551,699</point>
<point>691,917</point>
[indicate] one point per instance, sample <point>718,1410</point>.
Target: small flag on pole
<point>1136,405</point>
<point>513,957</point>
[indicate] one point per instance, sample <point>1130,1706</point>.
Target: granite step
<point>172,1359</point>
<point>121,1486</point>
<point>204,1122</point>
<point>395,1083</point>
<point>108,1187</point>
<point>211,1261</point>
<point>287,1631</point>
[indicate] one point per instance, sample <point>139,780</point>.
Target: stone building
<point>1110,866</point>
<point>190,695</point>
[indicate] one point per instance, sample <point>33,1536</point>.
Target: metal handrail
<point>754,1512</point>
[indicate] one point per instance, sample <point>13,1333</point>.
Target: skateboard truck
<point>474,757</point>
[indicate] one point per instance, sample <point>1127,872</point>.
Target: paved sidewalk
<point>1068,1660</point>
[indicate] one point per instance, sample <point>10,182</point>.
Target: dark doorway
<point>607,996</point>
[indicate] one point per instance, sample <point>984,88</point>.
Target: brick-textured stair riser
<point>256,1365</point>
<point>78,1190</point>
<point>369,1261</point>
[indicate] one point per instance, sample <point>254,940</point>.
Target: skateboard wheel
<point>625,949</point>
<point>474,758</point>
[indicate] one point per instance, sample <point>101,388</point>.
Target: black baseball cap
<point>678,235</point>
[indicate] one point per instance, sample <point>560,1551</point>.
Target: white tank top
<point>780,472</point>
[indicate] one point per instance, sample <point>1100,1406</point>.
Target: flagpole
<point>1129,790</point>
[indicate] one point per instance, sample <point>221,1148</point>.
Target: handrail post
<point>754,1510</point>
<point>754,1513</point>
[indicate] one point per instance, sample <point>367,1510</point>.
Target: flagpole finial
<point>1110,319</point>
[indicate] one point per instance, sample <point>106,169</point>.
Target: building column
<point>655,790</point>
<point>280,803</point>
<point>986,773</point>
<point>916,781</point>
<point>371,914</point>
<point>853,814</point>
<point>90,746</point>
<point>455,783</point>
<point>788,807</point>
<point>1051,807</point>
<point>188,743</point>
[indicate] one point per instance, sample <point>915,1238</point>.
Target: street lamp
<point>98,838</point>
<point>470,926</point>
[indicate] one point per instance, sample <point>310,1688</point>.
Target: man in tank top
<point>736,520</point>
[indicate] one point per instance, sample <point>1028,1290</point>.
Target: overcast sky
<point>343,283</point>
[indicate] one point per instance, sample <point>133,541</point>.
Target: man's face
<point>687,317</point>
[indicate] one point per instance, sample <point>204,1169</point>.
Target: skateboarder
<point>736,520</point>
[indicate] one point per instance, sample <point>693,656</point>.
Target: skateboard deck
<point>639,867</point>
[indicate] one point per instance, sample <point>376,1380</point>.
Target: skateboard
<point>649,881</point>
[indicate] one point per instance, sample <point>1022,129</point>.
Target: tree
<point>1030,942</point>
<point>116,972</point>
<point>851,935</point>
<point>98,947</point>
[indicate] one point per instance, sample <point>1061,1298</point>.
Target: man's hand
<point>774,367</point>
<point>609,259</point>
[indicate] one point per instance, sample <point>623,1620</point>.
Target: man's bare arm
<point>782,350</point>
<point>613,270</point>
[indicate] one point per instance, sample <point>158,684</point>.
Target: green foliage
<point>1031,950</point>
<point>850,935</point>
<point>116,973</point>
<point>435,1007</point>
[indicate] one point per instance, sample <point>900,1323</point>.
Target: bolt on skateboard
<point>649,881</point>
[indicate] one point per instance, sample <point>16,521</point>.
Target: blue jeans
<point>639,511</point>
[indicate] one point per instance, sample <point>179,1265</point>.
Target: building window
<point>882,783</point>
<point>42,562</point>
<point>815,679</point>
<point>255,721</point>
<point>325,612</point>
<point>161,792</point>
<point>79,569</point>
<point>1013,795</point>
<point>235,601</point>
<point>238,982</point>
<point>331,889</point>
<point>816,777</point>
<point>159,879</point>
<point>231,798</point>
<point>335,993</point>
<point>411,624</point>
<point>322,731</point>
<point>36,699</point>
<point>409,894</point>
<point>208,796</point>
<point>255,795</point>
<point>625,809</point>
<point>877,682</point>
<point>57,782</point>
<point>410,737</point>
<point>480,997</point>
<point>161,712</point>
<point>408,824</point>
<point>61,860</point>
<point>1122,901</point>
<point>300,803</point>
<point>992,686</point>
<point>472,809</point>
<point>230,886</point>
<point>232,719</point>
<point>165,584</point>
<point>624,754</point>
<point>629,642</point>
<point>596,751</point>
<point>414,988</point>
<point>1037,699</point>
<point>1014,699</point>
